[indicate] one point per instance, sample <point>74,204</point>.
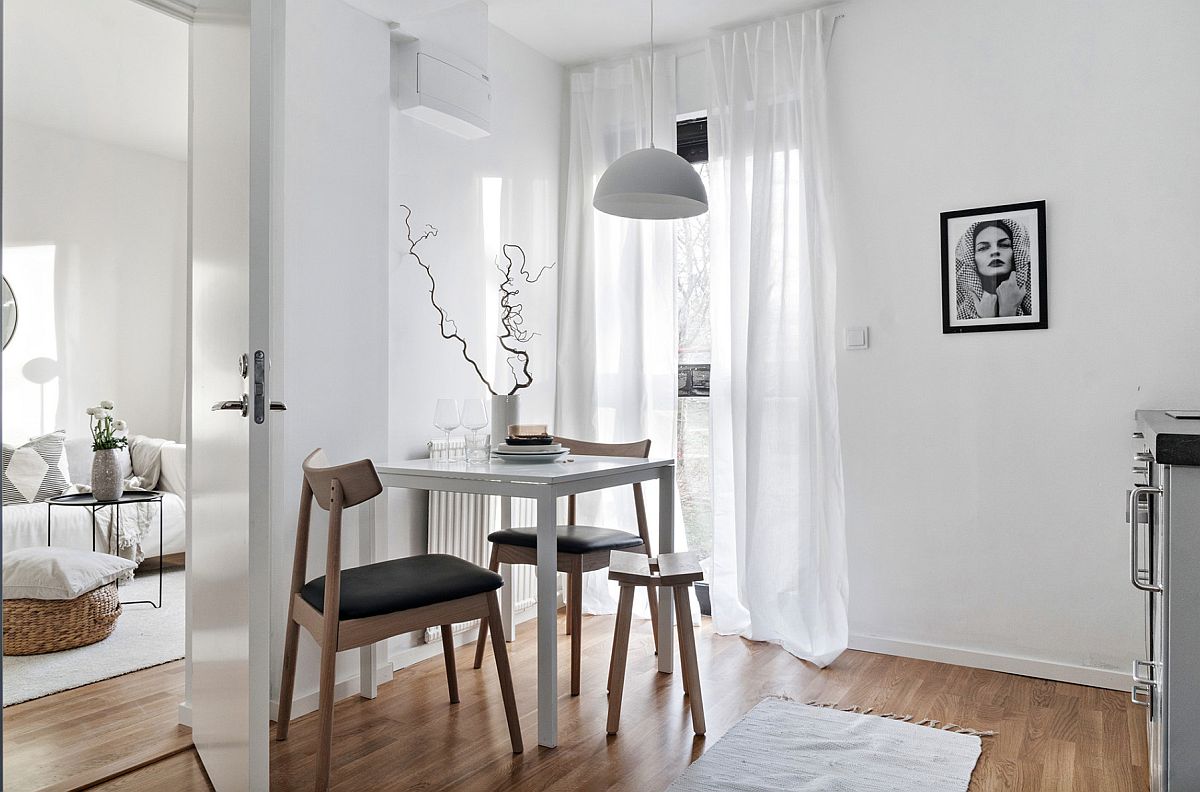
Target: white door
<point>228,550</point>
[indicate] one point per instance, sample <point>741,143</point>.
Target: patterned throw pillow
<point>37,470</point>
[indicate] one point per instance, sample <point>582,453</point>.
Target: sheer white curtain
<point>616,321</point>
<point>779,525</point>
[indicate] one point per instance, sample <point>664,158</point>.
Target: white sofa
<point>24,524</point>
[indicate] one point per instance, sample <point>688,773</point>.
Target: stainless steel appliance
<point>1163,513</point>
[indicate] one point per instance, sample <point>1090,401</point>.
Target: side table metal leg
<point>160,554</point>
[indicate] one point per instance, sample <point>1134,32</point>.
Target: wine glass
<point>474,418</point>
<point>447,418</point>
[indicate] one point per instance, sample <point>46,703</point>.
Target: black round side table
<point>86,500</point>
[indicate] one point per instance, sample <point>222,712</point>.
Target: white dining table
<point>544,483</point>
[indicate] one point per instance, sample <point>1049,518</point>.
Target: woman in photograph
<point>992,270</point>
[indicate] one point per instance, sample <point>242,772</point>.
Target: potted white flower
<point>108,438</point>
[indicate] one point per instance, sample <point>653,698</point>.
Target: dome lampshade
<point>651,184</point>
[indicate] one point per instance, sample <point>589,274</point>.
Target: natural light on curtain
<point>778,507</point>
<point>31,359</point>
<point>616,373</point>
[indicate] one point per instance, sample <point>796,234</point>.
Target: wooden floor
<point>56,741</point>
<point>1050,736</point>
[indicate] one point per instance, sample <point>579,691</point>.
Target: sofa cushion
<point>79,457</point>
<point>59,573</point>
<point>173,477</point>
<point>37,470</point>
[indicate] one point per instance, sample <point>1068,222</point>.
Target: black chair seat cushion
<point>575,539</point>
<point>403,584</point>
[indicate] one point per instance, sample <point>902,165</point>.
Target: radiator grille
<point>459,524</point>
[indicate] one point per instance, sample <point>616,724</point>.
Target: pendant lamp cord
<point>651,73</point>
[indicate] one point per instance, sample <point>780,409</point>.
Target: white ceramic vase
<point>107,484</point>
<point>506,410</point>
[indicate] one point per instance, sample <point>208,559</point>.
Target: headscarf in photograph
<point>969,289</point>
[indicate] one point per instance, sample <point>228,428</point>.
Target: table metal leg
<point>161,552</point>
<point>507,606</point>
<point>547,620</point>
<point>367,655</point>
<point>666,544</point>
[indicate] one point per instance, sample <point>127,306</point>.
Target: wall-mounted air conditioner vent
<point>439,68</point>
<point>440,89</point>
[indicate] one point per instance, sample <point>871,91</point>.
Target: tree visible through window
<point>694,451</point>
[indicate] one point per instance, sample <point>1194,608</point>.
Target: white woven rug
<point>786,745</point>
<point>145,636</point>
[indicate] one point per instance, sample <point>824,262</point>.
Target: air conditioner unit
<point>439,69</point>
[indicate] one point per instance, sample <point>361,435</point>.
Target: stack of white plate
<point>525,454</point>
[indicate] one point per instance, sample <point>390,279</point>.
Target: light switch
<point>857,338</point>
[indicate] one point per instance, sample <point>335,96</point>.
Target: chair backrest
<point>358,480</point>
<point>639,449</point>
<point>334,488</point>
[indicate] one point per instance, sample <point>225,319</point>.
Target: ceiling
<point>111,70</point>
<point>578,31</point>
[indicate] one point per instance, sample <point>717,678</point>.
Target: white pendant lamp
<point>651,183</point>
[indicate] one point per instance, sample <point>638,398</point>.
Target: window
<point>694,448</point>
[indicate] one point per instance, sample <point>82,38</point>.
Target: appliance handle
<point>1135,495</point>
<point>1143,694</point>
<point>1151,675</point>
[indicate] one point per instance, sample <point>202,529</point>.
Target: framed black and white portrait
<point>994,268</point>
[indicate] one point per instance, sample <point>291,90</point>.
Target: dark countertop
<point>1174,441</point>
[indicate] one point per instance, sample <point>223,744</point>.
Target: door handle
<point>1151,582</point>
<point>241,405</point>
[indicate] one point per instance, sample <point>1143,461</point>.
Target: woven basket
<point>34,626</point>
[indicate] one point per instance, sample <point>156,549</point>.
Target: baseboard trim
<point>345,688</point>
<point>185,713</point>
<point>1009,664</point>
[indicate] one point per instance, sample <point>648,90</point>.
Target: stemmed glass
<point>474,418</point>
<point>447,418</point>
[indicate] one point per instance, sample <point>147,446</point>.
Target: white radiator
<point>459,524</point>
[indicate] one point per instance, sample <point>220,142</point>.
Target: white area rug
<point>145,636</point>
<point>786,745</point>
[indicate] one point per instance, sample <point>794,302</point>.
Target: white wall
<point>359,360</point>
<point>985,471</point>
<point>330,361</point>
<point>117,220</point>
<point>479,194</point>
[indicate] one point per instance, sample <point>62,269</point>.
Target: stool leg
<point>620,654</point>
<point>652,593</point>
<point>687,656</point>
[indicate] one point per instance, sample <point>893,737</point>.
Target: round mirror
<point>9,304</point>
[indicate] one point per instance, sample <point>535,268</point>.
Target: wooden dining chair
<point>581,548</point>
<point>349,608</point>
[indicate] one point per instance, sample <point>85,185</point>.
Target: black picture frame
<point>964,294</point>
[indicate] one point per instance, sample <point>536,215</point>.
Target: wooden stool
<point>677,571</point>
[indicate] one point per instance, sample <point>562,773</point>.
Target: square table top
<point>560,472</point>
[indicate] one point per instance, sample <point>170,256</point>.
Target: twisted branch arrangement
<point>513,336</point>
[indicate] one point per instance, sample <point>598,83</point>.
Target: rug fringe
<point>930,722</point>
